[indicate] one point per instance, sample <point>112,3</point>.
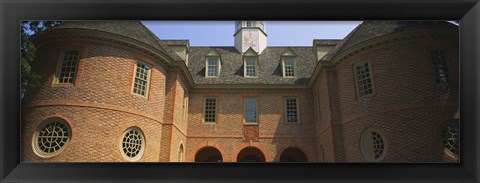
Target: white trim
<point>297,101</point>
<point>217,68</point>
<point>205,108</point>
<point>284,58</point>
<point>245,66</point>
<point>357,89</point>
<point>256,110</point>
<point>147,87</point>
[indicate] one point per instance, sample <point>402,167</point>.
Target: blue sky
<point>279,33</point>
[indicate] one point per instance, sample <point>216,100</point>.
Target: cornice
<point>390,39</point>
<point>249,87</point>
<point>158,55</point>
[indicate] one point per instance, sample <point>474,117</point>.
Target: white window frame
<point>245,111</point>
<point>356,79</point>
<point>251,24</point>
<point>218,67</point>
<point>245,66</point>
<point>294,67</point>
<point>297,101</point>
<point>149,74</point>
<point>60,67</point>
<point>205,110</point>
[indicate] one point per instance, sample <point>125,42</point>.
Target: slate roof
<point>269,66</point>
<point>371,29</point>
<point>131,29</point>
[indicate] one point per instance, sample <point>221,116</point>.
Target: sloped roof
<point>269,66</point>
<point>131,29</point>
<point>373,29</point>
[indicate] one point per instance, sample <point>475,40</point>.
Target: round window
<point>132,144</point>
<point>51,137</point>
<point>373,146</point>
<point>450,138</point>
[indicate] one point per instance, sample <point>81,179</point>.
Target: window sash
<point>210,110</point>
<point>364,80</point>
<point>250,110</point>
<point>141,79</point>
<point>68,67</point>
<point>250,67</point>
<point>212,67</point>
<point>288,67</point>
<point>291,110</point>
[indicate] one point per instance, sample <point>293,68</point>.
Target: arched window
<point>180,153</point>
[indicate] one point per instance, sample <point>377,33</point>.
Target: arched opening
<point>292,154</point>
<point>208,154</point>
<point>250,154</point>
<point>180,153</point>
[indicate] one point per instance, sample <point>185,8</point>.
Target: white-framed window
<point>210,110</point>
<point>373,145</point>
<point>291,109</point>
<point>250,66</point>
<point>288,65</point>
<point>68,67</point>
<point>51,137</point>
<point>212,67</point>
<point>440,66</point>
<point>249,24</point>
<point>132,144</point>
<point>250,108</point>
<point>141,79</point>
<point>363,79</point>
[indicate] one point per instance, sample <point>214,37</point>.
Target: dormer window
<point>212,64</point>
<point>288,65</point>
<point>250,66</point>
<point>213,67</point>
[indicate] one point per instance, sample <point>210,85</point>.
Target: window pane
<point>209,114</point>
<point>364,81</point>
<point>69,67</point>
<point>140,84</point>
<point>291,110</point>
<point>288,66</point>
<point>250,110</point>
<point>250,67</point>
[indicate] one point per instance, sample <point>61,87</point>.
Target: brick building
<point>112,92</point>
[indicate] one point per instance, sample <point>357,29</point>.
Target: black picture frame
<point>12,12</point>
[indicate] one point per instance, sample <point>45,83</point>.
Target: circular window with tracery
<point>51,137</point>
<point>450,138</point>
<point>132,144</point>
<point>373,145</point>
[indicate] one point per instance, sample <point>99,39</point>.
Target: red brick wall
<point>407,104</point>
<point>99,104</point>
<point>274,133</point>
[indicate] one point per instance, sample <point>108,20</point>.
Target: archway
<point>293,154</point>
<point>250,154</point>
<point>208,154</point>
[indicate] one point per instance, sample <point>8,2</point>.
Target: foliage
<point>29,79</point>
